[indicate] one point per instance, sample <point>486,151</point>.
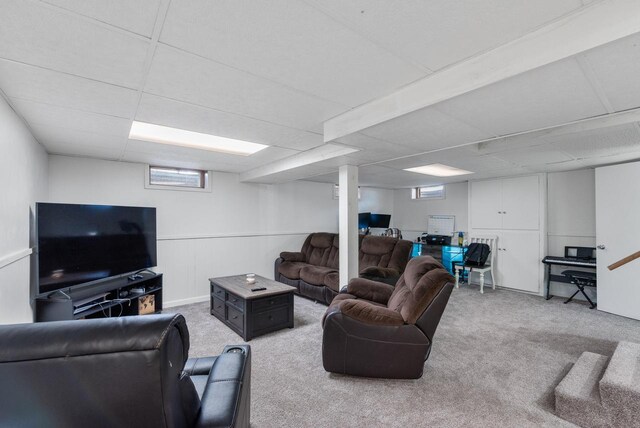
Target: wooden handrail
<point>624,261</point>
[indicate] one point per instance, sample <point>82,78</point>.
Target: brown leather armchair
<point>376,330</point>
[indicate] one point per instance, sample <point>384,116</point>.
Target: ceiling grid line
<point>230,113</point>
<point>91,20</point>
<point>348,25</point>
<point>163,8</point>
<point>587,70</point>
<point>250,73</point>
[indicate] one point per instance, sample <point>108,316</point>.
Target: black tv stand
<point>119,299</point>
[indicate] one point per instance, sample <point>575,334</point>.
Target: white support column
<point>348,223</point>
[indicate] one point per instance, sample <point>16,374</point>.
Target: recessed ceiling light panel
<point>439,170</point>
<point>180,137</point>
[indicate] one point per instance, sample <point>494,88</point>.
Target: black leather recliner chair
<point>124,372</point>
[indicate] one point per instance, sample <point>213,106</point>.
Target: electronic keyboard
<point>569,261</point>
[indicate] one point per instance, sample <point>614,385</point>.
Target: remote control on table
<point>258,288</point>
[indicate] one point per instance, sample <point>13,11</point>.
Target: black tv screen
<point>380,220</point>
<point>82,243</point>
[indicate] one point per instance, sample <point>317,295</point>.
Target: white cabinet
<point>511,210</point>
<point>518,260</point>
<point>521,203</point>
<point>508,203</point>
<point>486,198</point>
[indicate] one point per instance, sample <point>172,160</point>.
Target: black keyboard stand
<point>581,280</point>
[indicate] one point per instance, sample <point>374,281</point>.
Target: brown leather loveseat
<point>313,271</point>
<point>376,330</point>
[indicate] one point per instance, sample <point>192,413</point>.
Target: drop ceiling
<point>80,71</point>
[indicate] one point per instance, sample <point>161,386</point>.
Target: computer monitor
<point>364,220</point>
<point>380,220</point>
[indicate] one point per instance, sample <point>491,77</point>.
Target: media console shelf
<point>114,297</point>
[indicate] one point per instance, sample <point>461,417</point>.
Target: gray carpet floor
<point>495,361</point>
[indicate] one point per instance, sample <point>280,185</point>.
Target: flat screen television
<point>364,219</point>
<point>380,220</point>
<point>83,243</point>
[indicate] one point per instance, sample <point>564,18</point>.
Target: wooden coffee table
<point>251,313</point>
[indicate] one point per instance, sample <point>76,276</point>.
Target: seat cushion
<point>332,280</point>
<point>315,274</point>
<point>291,269</point>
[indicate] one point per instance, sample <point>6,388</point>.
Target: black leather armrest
<point>226,400</point>
<point>199,366</point>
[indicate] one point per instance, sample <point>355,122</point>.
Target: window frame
<point>205,176</point>
<point>416,192</point>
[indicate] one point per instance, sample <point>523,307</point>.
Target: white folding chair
<point>488,267</point>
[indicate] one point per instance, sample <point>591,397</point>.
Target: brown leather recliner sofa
<point>313,271</point>
<point>376,330</point>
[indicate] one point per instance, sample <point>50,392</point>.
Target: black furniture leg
<point>581,287</point>
<point>572,296</point>
<point>549,283</point>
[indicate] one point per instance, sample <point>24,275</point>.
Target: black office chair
<point>581,279</point>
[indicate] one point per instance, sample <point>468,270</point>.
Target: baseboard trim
<point>14,257</point>
<point>187,301</point>
<point>231,235</point>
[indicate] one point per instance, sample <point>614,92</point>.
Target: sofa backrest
<point>121,372</point>
<point>319,249</point>
<point>384,252</point>
<point>419,285</point>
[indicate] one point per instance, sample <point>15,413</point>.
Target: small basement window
<point>432,192</point>
<point>160,177</point>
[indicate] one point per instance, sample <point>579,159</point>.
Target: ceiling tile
<point>426,129</point>
<point>289,42</point>
<point>617,67</point>
<point>556,167</point>
<point>436,33</point>
<point>267,155</point>
<point>611,160</point>
<point>552,95</point>
<point>40,35</point>
<point>163,111</point>
<point>170,159</point>
<point>50,136</point>
<point>83,151</point>
<point>137,16</point>
<point>185,77</point>
<point>50,87</point>
<point>533,156</point>
<point>600,142</point>
<point>47,115</point>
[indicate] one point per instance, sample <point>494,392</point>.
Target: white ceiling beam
<point>317,154</point>
<point>595,25</point>
<point>532,137</point>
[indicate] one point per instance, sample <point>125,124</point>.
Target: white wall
<point>410,215</point>
<point>236,228</point>
<point>23,174</point>
<point>377,201</point>
<point>571,218</point>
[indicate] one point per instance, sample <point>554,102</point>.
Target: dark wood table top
<point>238,285</point>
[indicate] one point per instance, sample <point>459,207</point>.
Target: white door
<point>618,230</point>
<point>519,260</point>
<point>486,201</point>
<point>521,203</point>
